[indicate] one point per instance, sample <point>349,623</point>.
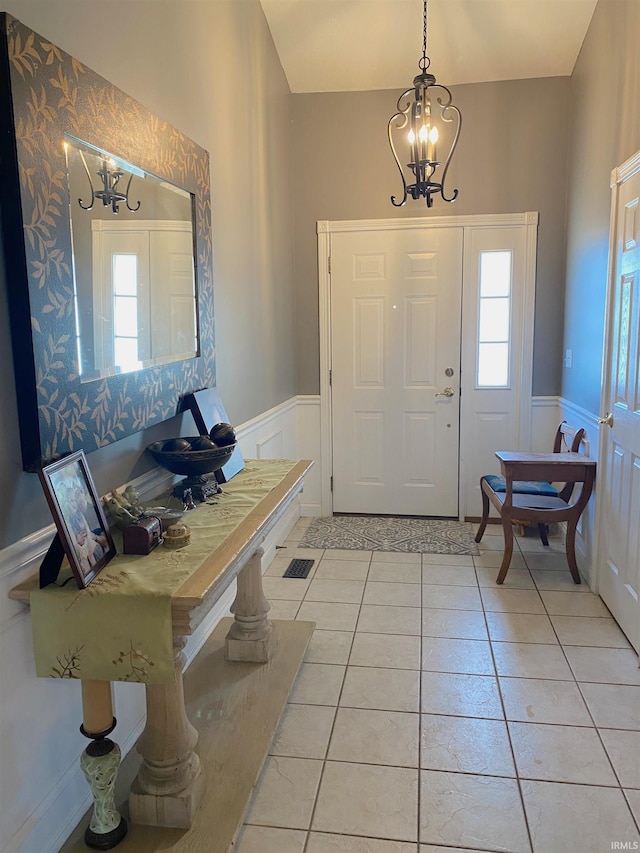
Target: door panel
<point>395,329</point>
<point>619,489</point>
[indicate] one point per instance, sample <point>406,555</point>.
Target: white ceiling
<point>356,45</point>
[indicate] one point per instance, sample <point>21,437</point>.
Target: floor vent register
<point>298,569</point>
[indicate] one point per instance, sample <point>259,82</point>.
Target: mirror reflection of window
<point>125,313</point>
<point>134,270</point>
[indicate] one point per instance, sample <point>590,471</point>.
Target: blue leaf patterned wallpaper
<point>51,94</point>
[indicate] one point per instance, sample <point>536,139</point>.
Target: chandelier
<point>433,123</point>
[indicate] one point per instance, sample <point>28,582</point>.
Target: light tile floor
<point>437,712</point>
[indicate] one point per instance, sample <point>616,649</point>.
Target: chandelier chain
<point>424,62</point>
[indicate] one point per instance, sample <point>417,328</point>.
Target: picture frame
<point>82,528</point>
<point>207,409</point>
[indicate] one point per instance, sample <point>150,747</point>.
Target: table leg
<point>570,548</point>
<point>249,636</point>
<point>167,788</point>
<point>507,527</point>
<point>100,762</point>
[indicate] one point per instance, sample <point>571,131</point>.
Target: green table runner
<point>119,627</point>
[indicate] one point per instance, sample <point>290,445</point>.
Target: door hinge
<point>331,377</point>
<point>331,483</point>
<point>329,264</point>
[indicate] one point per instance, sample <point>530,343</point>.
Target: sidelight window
<point>494,320</point>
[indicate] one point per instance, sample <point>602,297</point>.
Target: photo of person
<point>87,534</point>
<point>78,516</point>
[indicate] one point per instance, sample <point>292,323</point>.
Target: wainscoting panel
<point>545,417</point>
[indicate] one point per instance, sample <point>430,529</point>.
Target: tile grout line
<point>591,717</point>
<point>504,712</point>
<point>337,706</point>
<point>582,696</point>
<point>421,713</point>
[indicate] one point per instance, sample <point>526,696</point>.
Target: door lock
<point>607,419</point>
<point>448,392</point>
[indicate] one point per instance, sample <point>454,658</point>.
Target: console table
<point>169,783</point>
<point>512,506</point>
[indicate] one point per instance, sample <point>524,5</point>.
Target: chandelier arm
<point>447,107</point>
<point>402,109</point>
<point>126,196</point>
<point>93,198</point>
<point>395,156</point>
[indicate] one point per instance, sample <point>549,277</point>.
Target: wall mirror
<point>111,310</point>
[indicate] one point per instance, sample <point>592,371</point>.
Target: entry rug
<point>389,533</point>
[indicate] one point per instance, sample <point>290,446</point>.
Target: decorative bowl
<point>190,463</point>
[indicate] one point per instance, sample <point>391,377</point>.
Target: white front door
<point>618,487</point>
<point>395,363</point>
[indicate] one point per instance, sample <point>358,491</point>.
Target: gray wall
<point>605,131</point>
<point>511,158</point>
<point>210,69</point>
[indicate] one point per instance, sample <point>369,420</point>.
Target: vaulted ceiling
<point>357,45</point>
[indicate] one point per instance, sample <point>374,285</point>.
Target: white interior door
<point>618,488</point>
<point>395,348</point>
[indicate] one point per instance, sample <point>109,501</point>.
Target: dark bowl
<point>191,463</point>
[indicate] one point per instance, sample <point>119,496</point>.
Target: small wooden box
<point>143,536</point>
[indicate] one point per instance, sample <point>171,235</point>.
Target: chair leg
<point>485,514</point>
<point>542,530</point>
<point>507,527</point>
<point>571,550</point>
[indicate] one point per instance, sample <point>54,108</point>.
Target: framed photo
<point>207,410</point>
<point>79,517</point>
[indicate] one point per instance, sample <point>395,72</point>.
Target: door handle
<point>607,419</point>
<point>448,392</point>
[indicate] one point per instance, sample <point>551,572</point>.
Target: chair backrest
<point>566,491</point>
<point>561,440</point>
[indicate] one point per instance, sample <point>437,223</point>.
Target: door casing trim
<point>325,228</point>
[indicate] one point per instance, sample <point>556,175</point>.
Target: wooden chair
<point>526,487</point>
<point>540,506</point>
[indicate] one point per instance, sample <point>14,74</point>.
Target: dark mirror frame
<point>45,93</point>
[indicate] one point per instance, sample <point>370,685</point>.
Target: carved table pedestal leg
<point>167,788</point>
<point>249,636</point>
<point>100,762</point>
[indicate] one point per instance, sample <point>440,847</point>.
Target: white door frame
<point>618,176</point>
<point>324,230</point>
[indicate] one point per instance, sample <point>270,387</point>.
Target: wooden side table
<point>539,467</point>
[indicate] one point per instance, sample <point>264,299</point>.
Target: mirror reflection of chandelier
<point>109,195</point>
<point>425,125</point>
